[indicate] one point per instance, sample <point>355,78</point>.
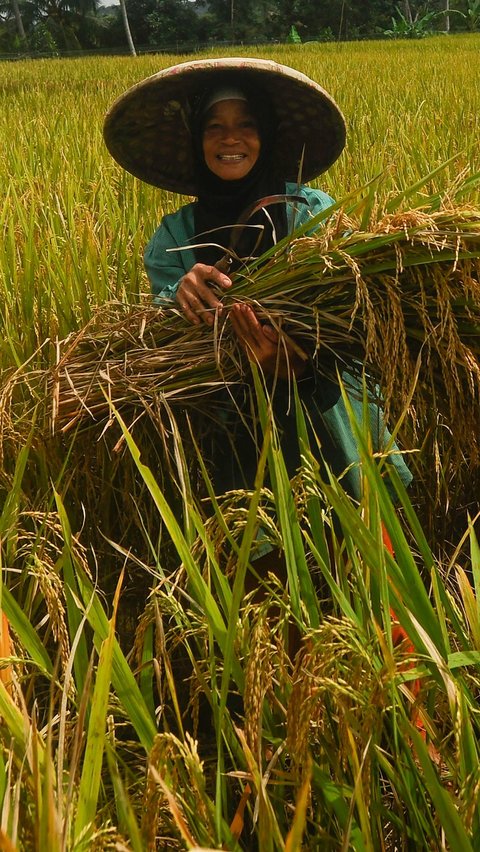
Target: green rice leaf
<point>126,814</point>
<point>67,564</point>
<point>26,632</point>
<point>397,200</point>
<point>456,836</point>
<point>299,580</point>
<point>123,680</point>
<point>93,758</point>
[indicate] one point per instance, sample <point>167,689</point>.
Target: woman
<point>233,135</point>
<point>231,132</point>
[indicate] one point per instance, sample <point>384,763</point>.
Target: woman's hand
<point>195,295</point>
<point>275,356</point>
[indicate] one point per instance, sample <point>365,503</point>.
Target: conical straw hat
<point>147,130</point>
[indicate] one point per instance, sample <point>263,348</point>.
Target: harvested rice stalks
<point>403,298</point>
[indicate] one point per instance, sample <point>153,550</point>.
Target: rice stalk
<point>401,297</point>
<point>176,776</point>
<point>91,776</point>
<point>52,590</point>
<point>72,229</point>
<point>354,740</point>
<point>258,682</point>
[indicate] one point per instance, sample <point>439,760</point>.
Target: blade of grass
<point>300,583</point>
<point>293,841</point>
<point>336,798</point>
<point>67,563</point>
<point>232,622</point>
<point>123,680</point>
<point>403,572</point>
<point>475,564</point>
<point>397,200</point>
<point>20,730</point>
<point>126,815</point>
<point>25,631</point>
<point>94,749</point>
<point>455,833</point>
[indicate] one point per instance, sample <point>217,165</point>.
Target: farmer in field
<point>233,133</point>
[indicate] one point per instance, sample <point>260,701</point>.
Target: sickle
<point>224,263</point>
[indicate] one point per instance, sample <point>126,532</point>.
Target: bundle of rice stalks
<point>127,356</point>
<point>401,297</point>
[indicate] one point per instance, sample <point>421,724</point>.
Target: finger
<point>189,303</point>
<point>254,331</point>
<point>190,315</point>
<point>236,318</point>
<point>196,299</point>
<point>203,297</point>
<point>257,347</point>
<point>245,318</point>
<point>270,333</point>
<point>212,274</point>
<point>246,331</point>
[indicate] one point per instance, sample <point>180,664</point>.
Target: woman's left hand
<point>264,346</point>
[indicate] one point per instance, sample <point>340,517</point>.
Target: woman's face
<point>231,143</point>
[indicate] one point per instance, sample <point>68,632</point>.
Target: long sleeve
<point>317,201</point>
<point>164,262</point>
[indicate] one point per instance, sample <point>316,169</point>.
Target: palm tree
<point>63,12</point>
<point>18,19</point>
<point>446,7</point>
<point>126,25</point>
<point>63,18</point>
<point>407,12</point>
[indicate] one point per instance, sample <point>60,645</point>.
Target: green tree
<point>175,22</point>
<point>472,14</point>
<point>64,19</point>
<point>344,18</point>
<point>238,20</point>
<point>138,12</point>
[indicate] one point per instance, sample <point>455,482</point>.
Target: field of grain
<point>146,701</point>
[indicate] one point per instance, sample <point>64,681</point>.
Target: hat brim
<point>147,129</point>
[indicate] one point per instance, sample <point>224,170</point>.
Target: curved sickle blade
<point>224,263</point>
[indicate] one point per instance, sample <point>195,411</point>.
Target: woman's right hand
<point>263,345</point>
<point>195,295</point>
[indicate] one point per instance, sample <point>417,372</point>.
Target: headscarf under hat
<point>220,202</point>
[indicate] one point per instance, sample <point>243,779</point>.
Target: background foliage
<point>46,26</point>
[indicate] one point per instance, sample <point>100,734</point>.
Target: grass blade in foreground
<point>93,759</point>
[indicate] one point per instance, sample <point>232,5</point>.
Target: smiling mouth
<point>231,158</point>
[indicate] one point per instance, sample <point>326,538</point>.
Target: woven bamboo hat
<point>147,129</point>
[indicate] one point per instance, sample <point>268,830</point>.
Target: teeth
<point>232,157</point>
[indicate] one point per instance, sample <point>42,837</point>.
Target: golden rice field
<point>74,226</point>
<point>148,699</point>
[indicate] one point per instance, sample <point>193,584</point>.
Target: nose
<point>230,136</point>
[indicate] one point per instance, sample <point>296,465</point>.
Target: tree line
<point>57,26</point>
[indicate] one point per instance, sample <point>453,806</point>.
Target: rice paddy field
<point>151,698</point>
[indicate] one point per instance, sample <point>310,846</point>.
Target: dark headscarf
<point>221,203</point>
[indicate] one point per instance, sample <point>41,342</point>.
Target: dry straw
<point>402,297</point>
